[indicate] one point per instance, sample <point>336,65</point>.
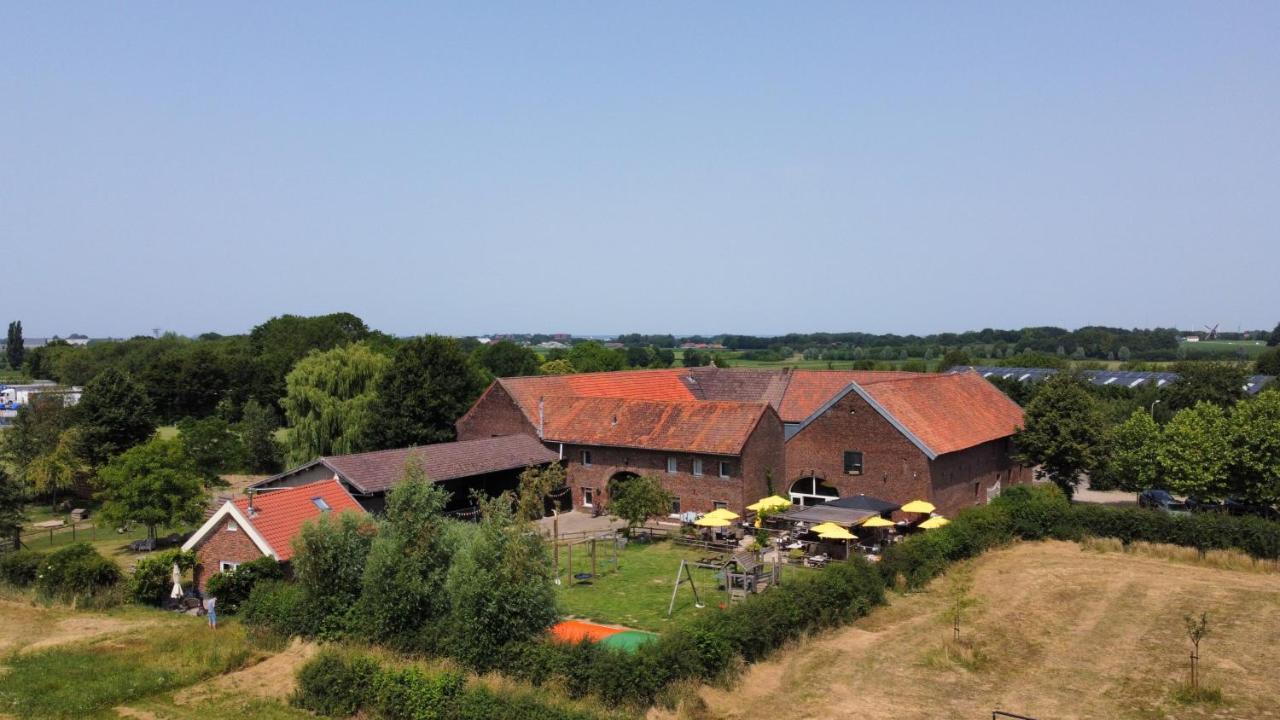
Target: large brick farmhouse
<point>727,437</point>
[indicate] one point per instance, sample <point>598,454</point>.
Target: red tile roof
<point>380,470</point>
<point>667,384</point>
<point>948,412</point>
<point>811,389</point>
<point>701,426</point>
<point>278,515</point>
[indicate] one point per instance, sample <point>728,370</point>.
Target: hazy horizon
<point>754,169</point>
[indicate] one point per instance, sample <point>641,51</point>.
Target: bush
<point>277,607</point>
<point>76,571</point>
<point>410,694</point>
<point>20,567</point>
<point>1036,512</point>
<point>233,587</point>
<point>336,684</point>
<point>153,575</point>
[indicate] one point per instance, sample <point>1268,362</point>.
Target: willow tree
<point>328,401</point>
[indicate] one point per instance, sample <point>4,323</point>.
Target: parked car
<point>1199,504</point>
<point>1157,499</point>
<point>1240,506</point>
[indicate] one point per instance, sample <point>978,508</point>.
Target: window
<point>320,503</point>
<point>852,462</point>
<point>225,565</point>
<point>587,496</point>
<point>673,465</point>
<point>720,505</point>
<point>586,457</point>
<point>724,468</point>
<point>675,506</point>
<point>232,526</point>
<point>975,489</point>
<point>697,467</point>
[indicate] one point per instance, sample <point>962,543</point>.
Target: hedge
<point>338,683</point>
<point>233,587</point>
<point>706,647</point>
<point>76,571</point>
<point>152,578</point>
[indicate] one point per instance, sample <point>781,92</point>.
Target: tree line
<point>1202,436</point>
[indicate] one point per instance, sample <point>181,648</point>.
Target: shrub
<point>20,567</point>
<point>410,694</point>
<point>232,587</point>
<point>277,607</point>
<point>1036,512</point>
<point>153,575</point>
<point>76,571</point>
<point>335,683</point>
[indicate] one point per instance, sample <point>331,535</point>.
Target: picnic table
<point>49,524</point>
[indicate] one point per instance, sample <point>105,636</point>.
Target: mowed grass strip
<point>89,679</point>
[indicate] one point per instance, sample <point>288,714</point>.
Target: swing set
<point>593,551</point>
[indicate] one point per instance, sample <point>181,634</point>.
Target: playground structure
<point>591,546</point>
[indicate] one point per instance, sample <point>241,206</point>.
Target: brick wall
<point>697,493</point>
<point>495,413</point>
<point>893,468</point>
<point>764,461</point>
<point>234,546</point>
<point>963,479</point>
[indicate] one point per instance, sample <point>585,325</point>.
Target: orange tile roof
<point>666,384</point>
<point>948,412</point>
<point>278,515</point>
<point>703,426</point>
<point>811,389</point>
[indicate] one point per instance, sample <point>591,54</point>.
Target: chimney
<point>252,512</point>
<point>542,416</point>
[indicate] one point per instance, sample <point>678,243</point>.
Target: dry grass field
<point>1056,631</point>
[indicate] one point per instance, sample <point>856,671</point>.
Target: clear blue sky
<point>615,167</point>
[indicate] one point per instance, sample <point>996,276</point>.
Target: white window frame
<point>233,526</point>
<point>697,467</point>
<point>585,457</point>
<point>724,469</point>
<point>588,497</point>
<point>225,565</point>
<point>673,465</point>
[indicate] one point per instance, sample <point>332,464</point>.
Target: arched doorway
<point>618,480</point>
<point>811,491</point>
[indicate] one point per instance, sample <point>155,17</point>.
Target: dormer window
<point>320,503</point>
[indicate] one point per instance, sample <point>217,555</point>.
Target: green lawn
<point>1250,348</point>
<point>636,594</point>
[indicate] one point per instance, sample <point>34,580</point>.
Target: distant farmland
<point>1250,348</point>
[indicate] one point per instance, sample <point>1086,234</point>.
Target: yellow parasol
<point>824,527</point>
<point>934,523</point>
<point>710,521</point>
<point>877,522</point>
<point>836,533</point>
<point>918,506</point>
<point>723,514</point>
<point>769,503</point>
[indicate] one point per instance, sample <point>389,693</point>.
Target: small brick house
<point>262,525</point>
<point>902,436</point>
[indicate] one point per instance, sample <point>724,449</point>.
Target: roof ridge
<point>424,446</point>
<point>692,401</point>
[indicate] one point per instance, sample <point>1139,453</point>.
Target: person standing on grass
<point>211,610</point>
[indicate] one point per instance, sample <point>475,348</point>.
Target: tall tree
<point>155,484</point>
<point>214,447</point>
<point>281,342</point>
<point>257,429</point>
<point>14,349</point>
<point>57,470</point>
<point>1063,431</point>
<point>35,431</point>
<point>1273,340</point>
<point>1132,455</point>
<point>403,598</point>
<point>114,414</point>
<point>12,510</point>
<point>329,557</point>
<point>329,402</point>
<point>1195,456</point>
<point>1219,383</point>
<point>429,385</point>
<point>1255,443</point>
<point>507,359</point>
<point>537,484</point>
<point>499,585</point>
<point>1268,362</point>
